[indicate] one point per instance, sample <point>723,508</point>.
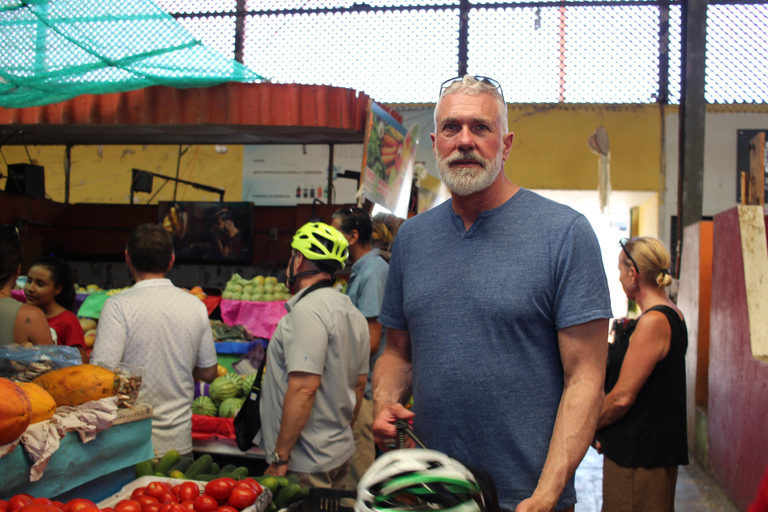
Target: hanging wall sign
<point>390,153</point>
<point>291,174</point>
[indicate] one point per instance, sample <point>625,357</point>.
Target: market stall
<point>232,113</point>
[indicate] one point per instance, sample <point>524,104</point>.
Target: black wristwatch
<point>277,460</point>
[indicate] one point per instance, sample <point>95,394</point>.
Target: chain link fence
<point>399,51</point>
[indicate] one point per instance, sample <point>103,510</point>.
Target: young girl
<point>51,288</point>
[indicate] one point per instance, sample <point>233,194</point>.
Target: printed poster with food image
<point>388,160</point>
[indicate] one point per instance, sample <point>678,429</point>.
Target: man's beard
<point>464,181</point>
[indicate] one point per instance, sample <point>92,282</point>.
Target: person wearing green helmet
<point>317,364</point>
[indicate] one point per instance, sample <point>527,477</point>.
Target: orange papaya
<point>15,411</point>
<point>78,384</point>
<point>43,404</point>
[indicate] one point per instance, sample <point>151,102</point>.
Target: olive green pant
<point>638,489</point>
<point>365,449</point>
<point>334,479</point>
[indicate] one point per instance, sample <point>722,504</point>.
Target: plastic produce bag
<point>130,376</point>
<point>25,364</point>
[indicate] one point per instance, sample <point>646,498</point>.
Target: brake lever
<point>403,428</point>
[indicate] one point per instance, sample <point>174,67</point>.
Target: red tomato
<point>205,503</point>
<point>189,505</point>
<point>146,500</point>
<point>172,507</point>
<point>253,484</point>
<point>151,507</point>
<point>107,509</point>
<point>220,489</point>
<point>168,497</point>
<point>157,489</point>
<point>226,508</point>
<point>128,506</point>
<point>139,491</point>
<point>3,506</point>
<point>90,509</point>
<point>18,501</point>
<point>42,501</point>
<point>57,504</point>
<point>188,491</point>
<point>33,507</point>
<point>175,489</point>
<point>77,504</point>
<point>241,497</point>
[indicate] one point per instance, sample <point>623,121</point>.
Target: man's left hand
<point>277,470</point>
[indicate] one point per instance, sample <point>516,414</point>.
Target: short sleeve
<point>372,295</point>
<point>309,342</point>
<point>73,333</point>
<point>206,354</point>
<point>582,293</point>
<point>111,333</point>
<point>392,314</point>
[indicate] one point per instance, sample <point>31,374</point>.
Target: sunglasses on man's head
<point>623,243</point>
<point>485,79</point>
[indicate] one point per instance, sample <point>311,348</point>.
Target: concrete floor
<point>696,490</point>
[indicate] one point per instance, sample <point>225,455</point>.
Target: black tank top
<point>653,433</point>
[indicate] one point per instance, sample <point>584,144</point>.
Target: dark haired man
<point>227,235</point>
<point>163,329</point>
<point>317,363</point>
<point>365,289</point>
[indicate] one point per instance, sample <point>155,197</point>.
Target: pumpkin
<point>75,385</point>
<point>43,404</point>
<point>15,411</point>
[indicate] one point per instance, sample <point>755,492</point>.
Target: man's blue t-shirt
<point>365,289</point>
<point>483,308</point>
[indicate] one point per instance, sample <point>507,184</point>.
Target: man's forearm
<point>573,432</point>
<point>297,407</point>
<point>391,380</point>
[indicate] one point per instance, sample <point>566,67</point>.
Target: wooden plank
<point>756,188</point>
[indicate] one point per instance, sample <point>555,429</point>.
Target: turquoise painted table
<point>94,470</point>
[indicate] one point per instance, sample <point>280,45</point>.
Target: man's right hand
<point>384,430</point>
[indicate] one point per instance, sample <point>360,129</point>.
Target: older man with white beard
<point>496,308</point>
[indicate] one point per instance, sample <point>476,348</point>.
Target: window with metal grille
<point>398,51</point>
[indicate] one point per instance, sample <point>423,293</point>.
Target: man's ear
<point>354,236</point>
<point>173,259</point>
<point>127,259</point>
<point>299,261</point>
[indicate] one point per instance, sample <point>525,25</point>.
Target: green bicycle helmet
<point>322,244</point>
<point>416,480</point>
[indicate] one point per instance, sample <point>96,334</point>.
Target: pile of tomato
<point>220,495</point>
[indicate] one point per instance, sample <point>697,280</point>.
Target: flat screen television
<point>203,231</point>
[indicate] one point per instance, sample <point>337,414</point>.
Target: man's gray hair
<point>471,86</point>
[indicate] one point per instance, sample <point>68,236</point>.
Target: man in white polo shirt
<point>317,364</point>
<point>163,329</point>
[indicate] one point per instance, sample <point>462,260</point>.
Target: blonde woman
<point>642,426</point>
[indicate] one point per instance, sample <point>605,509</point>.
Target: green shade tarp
<point>55,50</point>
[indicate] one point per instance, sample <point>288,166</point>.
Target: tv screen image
<point>204,231</point>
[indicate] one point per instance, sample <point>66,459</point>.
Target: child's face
<point>40,288</point>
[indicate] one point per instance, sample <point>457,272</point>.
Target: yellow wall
<point>648,218</point>
<point>549,152</point>
<point>550,146</point>
<point>102,174</point>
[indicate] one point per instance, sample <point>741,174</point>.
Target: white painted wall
<point>719,163</point>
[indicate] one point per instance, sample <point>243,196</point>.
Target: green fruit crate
<point>329,500</point>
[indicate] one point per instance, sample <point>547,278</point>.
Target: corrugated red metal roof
<point>234,113</point>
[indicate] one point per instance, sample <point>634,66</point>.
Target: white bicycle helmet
<point>413,480</point>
